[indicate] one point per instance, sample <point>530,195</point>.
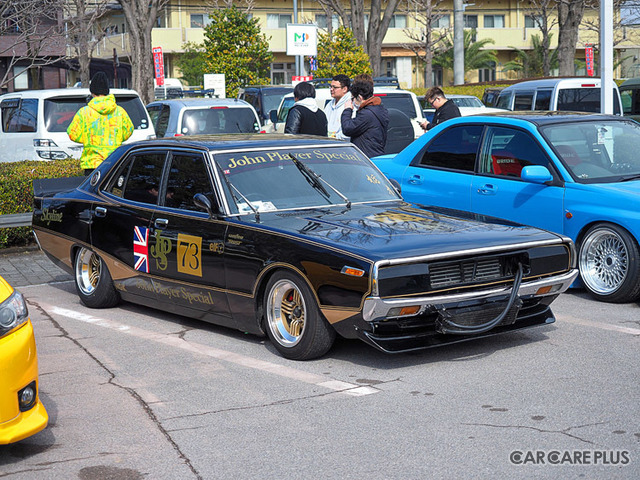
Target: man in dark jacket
<point>305,117</point>
<point>368,129</point>
<point>445,109</point>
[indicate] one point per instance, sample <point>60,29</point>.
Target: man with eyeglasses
<point>340,94</point>
<point>444,108</point>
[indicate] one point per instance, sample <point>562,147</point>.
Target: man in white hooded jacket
<point>340,94</point>
<point>305,117</point>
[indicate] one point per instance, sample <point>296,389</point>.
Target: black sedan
<point>299,238</point>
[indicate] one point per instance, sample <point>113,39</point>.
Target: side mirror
<point>201,201</point>
<point>536,174</point>
<point>273,116</point>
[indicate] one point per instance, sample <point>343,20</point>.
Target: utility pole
<point>458,42</point>
<point>606,56</point>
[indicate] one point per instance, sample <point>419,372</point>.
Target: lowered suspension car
<point>299,238</point>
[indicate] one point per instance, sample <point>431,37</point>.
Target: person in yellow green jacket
<point>101,126</point>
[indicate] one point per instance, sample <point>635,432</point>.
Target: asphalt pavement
<point>29,266</point>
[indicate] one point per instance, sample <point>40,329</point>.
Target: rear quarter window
<point>134,107</point>
<point>19,115</point>
<point>399,101</point>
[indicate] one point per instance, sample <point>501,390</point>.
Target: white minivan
<point>568,94</point>
<point>34,122</point>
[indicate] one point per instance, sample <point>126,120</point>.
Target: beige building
<point>507,22</point>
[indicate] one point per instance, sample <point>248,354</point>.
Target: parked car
<point>300,238</point>
<point>200,116</point>
<point>264,98</point>
<point>467,104</point>
<point>35,122</point>
<point>490,96</point>
<point>575,174</point>
<point>630,97</point>
<point>21,411</point>
<point>557,94</point>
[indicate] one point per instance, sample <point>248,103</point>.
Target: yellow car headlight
<point>13,312</point>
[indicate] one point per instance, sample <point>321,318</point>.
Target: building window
<point>200,20</point>
<point>398,21</point>
<point>275,20</point>
<point>321,20</point>
<point>390,67</point>
<point>442,21</point>
<point>487,74</point>
<point>494,21</point>
<point>470,21</point>
<point>532,21</point>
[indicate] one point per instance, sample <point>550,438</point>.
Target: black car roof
<point>240,141</point>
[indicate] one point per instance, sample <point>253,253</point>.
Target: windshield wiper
<point>254,209</point>
<point>627,178</point>
<point>314,180</point>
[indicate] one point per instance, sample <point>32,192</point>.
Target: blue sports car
<point>575,174</point>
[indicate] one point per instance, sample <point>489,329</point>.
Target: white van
<point>568,94</point>
<point>35,122</point>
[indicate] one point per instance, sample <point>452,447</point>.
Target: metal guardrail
<point>16,220</point>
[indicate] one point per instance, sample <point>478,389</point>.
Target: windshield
<point>467,102</point>
<point>272,99</point>
<point>270,180</point>
<point>218,120</point>
<point>58,112</point>
<point>597,151</point>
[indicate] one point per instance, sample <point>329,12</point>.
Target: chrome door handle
<point>415,180</point>
<point>161,223</point>
<point>100,212</point>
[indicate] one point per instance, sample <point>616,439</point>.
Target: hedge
<point>16,192</point>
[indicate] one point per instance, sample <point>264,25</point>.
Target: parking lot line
<point>224,355</point>
<point>602,326</point>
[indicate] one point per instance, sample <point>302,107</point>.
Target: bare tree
<point>141,17</point>
<point>570,13</point>
<point>545,17</point>
<point>84,31</point>
<point>425,39</point>
<point>379,21</point>
<point>244,5</point>
<point>30,35</point>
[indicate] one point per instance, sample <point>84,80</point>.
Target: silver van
<point>35,122</point>
<point>569,94</point>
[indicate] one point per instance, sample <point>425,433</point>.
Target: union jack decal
<point>141,249</point>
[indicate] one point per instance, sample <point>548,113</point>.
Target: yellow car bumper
<point>19,369</point>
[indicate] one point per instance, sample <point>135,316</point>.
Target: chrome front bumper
<point>376,308</point>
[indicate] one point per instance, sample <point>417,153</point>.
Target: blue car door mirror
<point>536,174</point>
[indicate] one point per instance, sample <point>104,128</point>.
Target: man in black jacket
<point>305,117</point>
<point>445,109</point>
<point>368,129</point>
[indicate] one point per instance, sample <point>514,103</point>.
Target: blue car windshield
<point>597,151</point>
<point>270,179</point>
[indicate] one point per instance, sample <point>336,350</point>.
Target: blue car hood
<point>402,230</point>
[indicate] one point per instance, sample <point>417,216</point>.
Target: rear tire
<point>609,263</point>
<point>93,282</point>
<point>293,320</point>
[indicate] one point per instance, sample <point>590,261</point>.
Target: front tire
<point>293,320</point>
<point>609,263</point>
<point>93,282</point>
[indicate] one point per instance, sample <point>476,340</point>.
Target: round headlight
<point>7,317</point>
